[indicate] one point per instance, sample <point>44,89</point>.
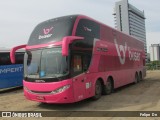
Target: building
<point>155,52</point>
<point>130,20</point>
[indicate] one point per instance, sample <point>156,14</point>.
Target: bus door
<point>80,80</point>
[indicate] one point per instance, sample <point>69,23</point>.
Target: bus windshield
<point>46,63</point>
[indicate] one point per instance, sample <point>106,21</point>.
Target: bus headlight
<point>61,89</point>
<point>25,88</point>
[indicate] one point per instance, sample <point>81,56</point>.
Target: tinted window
<point>86,61</point>
<point>5,58</point>
<point>88,28</point>
<point>79,63</point>
<point>52,30</point>
<point>19,57</point>
<point>76,65</point>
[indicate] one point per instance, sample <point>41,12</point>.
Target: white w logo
<point>123,49</point>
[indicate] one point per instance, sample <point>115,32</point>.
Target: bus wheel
<point>98,90</point>
<point>136,78</point>
<point>140,76</point>
<point>107,89</point>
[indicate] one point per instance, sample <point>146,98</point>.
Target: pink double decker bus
<point>75,57</point>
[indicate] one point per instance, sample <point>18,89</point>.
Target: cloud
<point>19,17</point>
<point>153,38</point>
<point>151,9</point>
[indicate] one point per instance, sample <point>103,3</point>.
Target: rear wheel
<point>107,89</point>
<point>98,90</point>
<point>140,76</point>
<point>136,78</point>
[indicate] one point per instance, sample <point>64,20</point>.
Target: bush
<point>153,65</point>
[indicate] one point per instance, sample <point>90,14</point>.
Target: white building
<point>154,52</point>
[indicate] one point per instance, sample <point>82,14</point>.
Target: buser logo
<point>120,49</point>
<point>46,32</point>
<point>87,29</point>
<point>133,55</point>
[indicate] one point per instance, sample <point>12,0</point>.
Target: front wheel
<point>98,90</point>
<point>136,78</point>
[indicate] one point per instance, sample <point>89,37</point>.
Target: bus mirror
<point>13,50</point>
<point>68,40</point>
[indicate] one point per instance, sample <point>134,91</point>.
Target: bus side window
<point>19,58</point>
<point>76,65</point>
<point>5,59</point>
<point>86,61</point>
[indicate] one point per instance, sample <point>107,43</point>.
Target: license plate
<point>40,98</point>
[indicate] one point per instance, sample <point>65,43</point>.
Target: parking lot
<point>144,96</point>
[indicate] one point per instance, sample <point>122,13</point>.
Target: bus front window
<point>31,63</point>
<point>53,64</point>
<point>46,63</point>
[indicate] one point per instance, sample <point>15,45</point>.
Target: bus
<point>72,58</point>
<point>11,75</point>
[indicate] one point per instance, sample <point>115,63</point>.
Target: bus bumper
<point>42,92</point>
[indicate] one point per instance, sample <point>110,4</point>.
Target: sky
<point>19,17</point>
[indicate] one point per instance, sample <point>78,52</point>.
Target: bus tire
<point>98,90</point>
<point>140,76</point>
<point>108,88</point>
<point>136,78</point>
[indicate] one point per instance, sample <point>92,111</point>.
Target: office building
<point>130,20</point>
